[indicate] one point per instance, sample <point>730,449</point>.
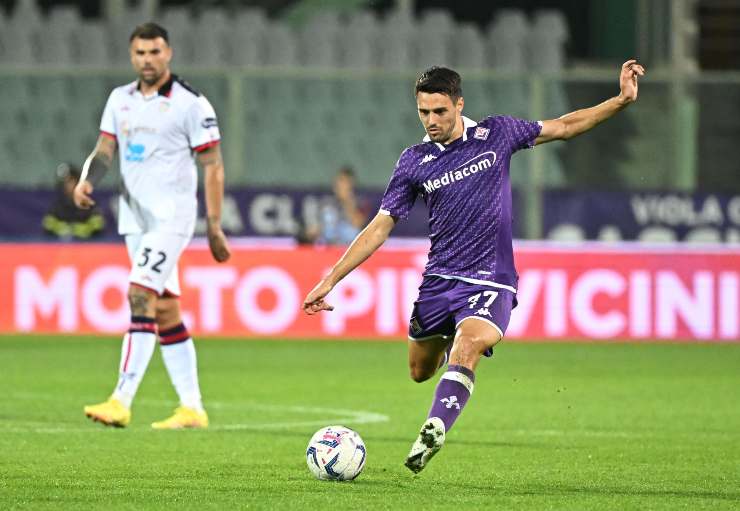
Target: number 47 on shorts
<point>488,296</point>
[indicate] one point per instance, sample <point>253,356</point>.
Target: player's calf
<point>450,397</point>
<point>420,372</point>
<point>426,356</point>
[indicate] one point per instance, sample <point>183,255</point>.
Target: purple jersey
<point>467,189</point>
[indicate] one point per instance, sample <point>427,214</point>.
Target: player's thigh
<point>154,260</point>
<point>484,305</point>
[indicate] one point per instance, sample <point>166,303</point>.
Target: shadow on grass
<point>629,492</point>
<point>402,439</point>
<point>395,478</point>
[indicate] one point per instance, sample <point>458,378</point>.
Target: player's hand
<point>81,195</point>
<point>218,244</point>
<point>628,81</point>
<point>314,301</point>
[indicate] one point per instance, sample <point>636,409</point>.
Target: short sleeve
<point>202,125</point>
<point>521,133</point>
<point>108,121</point>
<point>400,194</point>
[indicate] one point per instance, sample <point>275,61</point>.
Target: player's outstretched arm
<point>367,242</point>
<point>580,121</point>
<point>213,166</point>
<point>93,170</point>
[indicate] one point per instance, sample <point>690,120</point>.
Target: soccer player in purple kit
<point>461,170</point>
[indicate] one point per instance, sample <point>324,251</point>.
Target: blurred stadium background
<point>304,87</point>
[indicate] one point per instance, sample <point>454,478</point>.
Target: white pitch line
<point>340,416</point>
<point>336,416</point>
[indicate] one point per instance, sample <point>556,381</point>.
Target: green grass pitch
<point>549,426</point>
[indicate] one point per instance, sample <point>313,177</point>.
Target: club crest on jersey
<point>209,122</point>
<point>481,133</point>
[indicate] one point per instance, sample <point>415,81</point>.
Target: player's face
<point>439,115</point>
<point>150,58</point>
<point>343,185</point>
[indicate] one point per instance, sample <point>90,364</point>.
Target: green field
<point>550,426</point>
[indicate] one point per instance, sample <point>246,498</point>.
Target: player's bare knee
<point>468,349</point>
<point>168,313</point>
<point>142,301</point>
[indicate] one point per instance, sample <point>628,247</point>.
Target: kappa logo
<point>427,159</point>
<point>481,133</point>
<point>483,311</point>
<point>450,402</point>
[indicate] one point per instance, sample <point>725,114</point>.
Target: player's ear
<point>460,104</point>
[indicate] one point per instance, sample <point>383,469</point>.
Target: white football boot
<point>431,439</point>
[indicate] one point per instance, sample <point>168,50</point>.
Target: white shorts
<point>154,257</point>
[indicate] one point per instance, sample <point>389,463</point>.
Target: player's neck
<point>147,90</point>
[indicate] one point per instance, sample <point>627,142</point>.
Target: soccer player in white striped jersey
<point>161,126</point>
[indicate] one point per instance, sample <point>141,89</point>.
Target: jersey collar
<point>467,124</point>
<point>166,88</point>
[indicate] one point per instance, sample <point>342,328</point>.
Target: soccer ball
<point>336,453</point>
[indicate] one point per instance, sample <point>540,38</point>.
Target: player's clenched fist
<point>218,245</point>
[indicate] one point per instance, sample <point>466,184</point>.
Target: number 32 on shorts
<point>156,261</point>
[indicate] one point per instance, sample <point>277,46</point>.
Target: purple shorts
<point>444,303</point>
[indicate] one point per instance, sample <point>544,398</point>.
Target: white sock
<point>182,366</point>
<point>136,352</point>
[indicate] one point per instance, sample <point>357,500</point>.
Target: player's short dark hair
<point>346,171</point>
<point>68,170</point>
<point>149,30</point>
<point>440,80</point>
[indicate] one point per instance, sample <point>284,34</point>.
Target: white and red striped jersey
<point>158,137</point>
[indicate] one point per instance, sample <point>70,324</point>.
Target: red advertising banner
<point>582,292</point>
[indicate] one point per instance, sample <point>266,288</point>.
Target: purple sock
<point>452,393</point>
